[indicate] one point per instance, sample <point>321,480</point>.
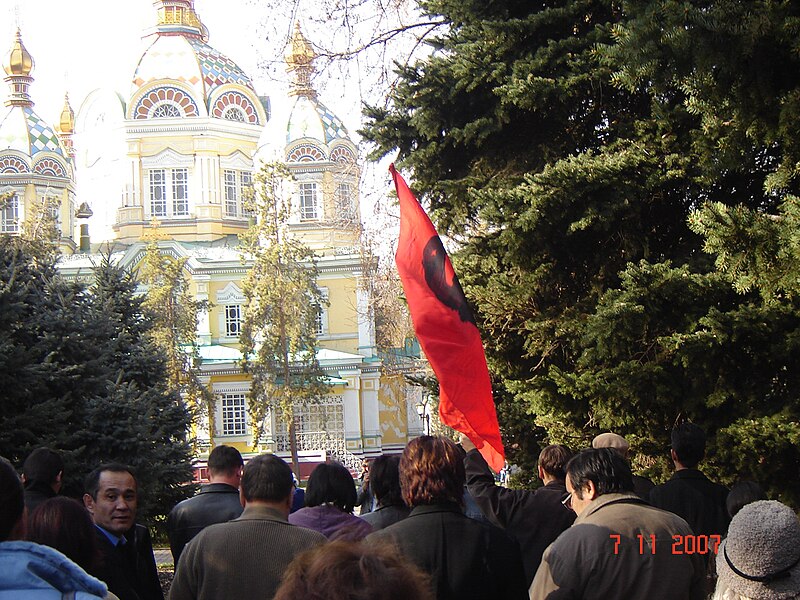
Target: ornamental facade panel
<point>165,102</point>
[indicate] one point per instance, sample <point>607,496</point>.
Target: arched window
<point>232,113</point>
<point>166,110</point>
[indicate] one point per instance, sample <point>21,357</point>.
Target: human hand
<point>466,443</point>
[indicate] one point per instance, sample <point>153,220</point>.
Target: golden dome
<point>67,122</point>
<point>299,51</point>
<point>19,60</point>
<point>300,62</point>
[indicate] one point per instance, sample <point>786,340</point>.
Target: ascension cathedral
<point>173,155</point>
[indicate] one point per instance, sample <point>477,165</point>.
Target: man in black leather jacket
<point>216,502</point>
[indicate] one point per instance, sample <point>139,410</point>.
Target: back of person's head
<point>384,480</point>
<point>64,524</point>
<point>331,482</point>
<point>742,494</point>
<point>604,467</point>
<point>353,571</point>
<point>688,443</point>
<point>553,459</point>
<point>92,482</point>
<point>612,440</point>
<point>43,465</point>
<point>12,500</point>
<point>224,460</point>
<point>432,471</point>
<point>267,478</point>
<point>760,558</point>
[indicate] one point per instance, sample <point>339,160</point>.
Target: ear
<point>591,491</point>
<point>88,502</point>
<point>242,501</point>
<point>672,455</point>
<point>540,471</point>
<point>59,476</point>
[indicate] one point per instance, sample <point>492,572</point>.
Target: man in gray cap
<point>641,485</point>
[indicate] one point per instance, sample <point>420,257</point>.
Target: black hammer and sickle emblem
<point>451,295</point>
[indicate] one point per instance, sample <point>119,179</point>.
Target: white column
<point>203,320</point>
<point>351,410</point>
<point>366,324</point>
<point>370,410</point>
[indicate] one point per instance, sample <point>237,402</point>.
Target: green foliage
<point>278,336</point>
<point>174,312</point>
<point>81,376</point>
<point>586,156</point>
<point>755,251</point>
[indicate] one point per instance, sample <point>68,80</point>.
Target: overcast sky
<point>80,45</point>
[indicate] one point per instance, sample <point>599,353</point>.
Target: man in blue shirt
<point>127,563</point>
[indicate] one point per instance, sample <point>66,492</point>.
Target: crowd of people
<point>593,529</point>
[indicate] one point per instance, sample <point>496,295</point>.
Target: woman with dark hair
<point>466,559</point>
<point>351,571</point>
<point>330,499</point>
<point>65,525</point>
<point>385,485</point>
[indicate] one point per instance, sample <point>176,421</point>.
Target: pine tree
<point>81,376</point>
<point>567,185</point>
<point>137,419</point>
<point>278,336</point>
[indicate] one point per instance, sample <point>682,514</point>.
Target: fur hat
<point>760,558</point>
<point>611,440</point>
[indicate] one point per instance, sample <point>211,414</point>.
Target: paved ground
<point>163,556</point>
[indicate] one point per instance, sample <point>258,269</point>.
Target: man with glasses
<point>619,546</point>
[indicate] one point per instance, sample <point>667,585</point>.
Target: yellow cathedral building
<point>176,152</point>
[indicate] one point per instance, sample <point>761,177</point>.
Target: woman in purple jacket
<point>330,499</point>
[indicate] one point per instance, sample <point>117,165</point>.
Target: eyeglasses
<point>567,502</point>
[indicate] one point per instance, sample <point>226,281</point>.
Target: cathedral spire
<point>299,61</point>
<point>66,126</point>
<point>18,67</point>
<point>177,17</point>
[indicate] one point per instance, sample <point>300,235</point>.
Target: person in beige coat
<point>246,557</point>
<point>619,548</point>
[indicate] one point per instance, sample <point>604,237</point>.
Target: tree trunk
<point>293,447</point>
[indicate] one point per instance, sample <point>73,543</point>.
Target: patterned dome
<point>22,130</point>
<point>191,61</point>
<point>180,75</point>
<point>23,134</point>
<point>309,118</point>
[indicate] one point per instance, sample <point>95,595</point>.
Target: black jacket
<point>693,496</point>
<point>37,492</point>
<point>129,570</point>
<point>533,518</point>
<point>466,559</point>
<point>214,503</point>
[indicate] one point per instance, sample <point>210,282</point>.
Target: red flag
<point>446,329</point>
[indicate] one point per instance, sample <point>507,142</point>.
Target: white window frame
<point>174,183</point>
<point>345,201</point>
<point>9,215</point>
<point>322,314</point>
<point>180,192</point>
<point>233,320</point>
<point>308,195</point>
<point>233,414</point>
<point>235,182</point>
